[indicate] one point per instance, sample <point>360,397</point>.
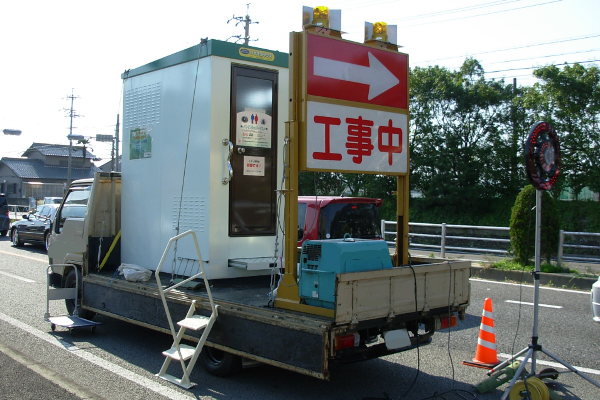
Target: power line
<point>556,65</point>
<point>535,58</point>
<point>482,15</point>
<point>516,48</point>
<point>457,10</point>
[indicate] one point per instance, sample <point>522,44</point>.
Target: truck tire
<point>220,363</point>
<point>71,283</point>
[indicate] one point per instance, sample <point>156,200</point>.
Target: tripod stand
<point>534,346</point>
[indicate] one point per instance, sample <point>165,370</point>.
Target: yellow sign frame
<point>296,136</point>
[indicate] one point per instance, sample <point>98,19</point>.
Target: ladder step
<point>195,322</point>
<point>186,351</point>
<point>177,381</point>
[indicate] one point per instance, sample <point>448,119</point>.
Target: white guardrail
<point>585,252</point>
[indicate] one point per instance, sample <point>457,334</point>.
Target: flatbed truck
<point>213,172</point>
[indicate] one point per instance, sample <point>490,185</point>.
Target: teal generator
<point>321,260</point>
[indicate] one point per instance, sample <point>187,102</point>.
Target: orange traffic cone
<point>486,356</point>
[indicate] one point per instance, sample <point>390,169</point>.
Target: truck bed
<point>245,319</point>
<point>248,322</point>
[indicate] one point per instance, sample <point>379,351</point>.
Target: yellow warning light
<point>321,16</point>
<point>380,31</point>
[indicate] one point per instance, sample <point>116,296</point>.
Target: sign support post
<point>348,113</point>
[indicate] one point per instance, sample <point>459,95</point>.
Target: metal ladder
<point>182,352</point>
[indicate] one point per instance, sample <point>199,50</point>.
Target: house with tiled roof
<point>43,170</point>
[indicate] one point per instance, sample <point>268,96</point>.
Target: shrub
<point>522,226</point>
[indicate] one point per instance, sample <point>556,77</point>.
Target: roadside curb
<point>565,281</point>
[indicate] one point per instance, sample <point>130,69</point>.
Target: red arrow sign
<point>350,71</point>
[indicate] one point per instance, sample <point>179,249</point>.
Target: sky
<point>51,50</point>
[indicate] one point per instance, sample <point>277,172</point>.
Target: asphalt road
<point>120,360</point>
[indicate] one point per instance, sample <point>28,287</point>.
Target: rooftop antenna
<point>247,21</point>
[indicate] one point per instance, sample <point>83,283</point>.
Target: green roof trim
<point>213,48</point>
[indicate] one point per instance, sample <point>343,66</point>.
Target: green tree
<point>569,98</point>
<point>321,183</point>
<point>523,226</point>
<point>460,142</point>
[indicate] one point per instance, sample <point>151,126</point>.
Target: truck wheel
<point>220,363</point>
<point>16,240</point>
<point>70,303</point>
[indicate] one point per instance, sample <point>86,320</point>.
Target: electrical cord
<point>453,390</point>
<point>417,331</point>
<point>187,148</point>
<point>386,396</point>
<point>279,228</point>
<point>436,395</point>
<point>281,282</point>
<point>512,350</point>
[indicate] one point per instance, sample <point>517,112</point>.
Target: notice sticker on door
<point>253,129</point>
<point>254,166</point>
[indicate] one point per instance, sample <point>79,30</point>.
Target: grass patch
<point>511,265</point>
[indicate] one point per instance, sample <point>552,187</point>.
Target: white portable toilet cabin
<point>203,135</point>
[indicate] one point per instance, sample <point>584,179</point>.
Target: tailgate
<point>386,293</point>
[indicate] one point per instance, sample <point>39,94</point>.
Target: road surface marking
<point>553,364</point>
<point>48,374</point>
<point>16,277</point>
<point>531,286</point>
<point>29,258</point>
<point>530,304</point>
<point>107,365</point>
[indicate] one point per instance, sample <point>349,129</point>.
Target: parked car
<point>4,215</point>
<point>52,200</point>
<point>332,217</point>
<point>34,228</point>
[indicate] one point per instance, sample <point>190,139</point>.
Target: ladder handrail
<point>202,273</point>
<point>178,335</point>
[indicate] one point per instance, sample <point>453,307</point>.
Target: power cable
<point>556,65</point>
<point>531,200</point>
<point>482,15</point>
<point>439,13</point>
<point>538,57</point>
<point>187,147</point>
<point>452,11</point>
<point>417,330</point>
<point>457,10</point>
<point>513,48</point>
<point>453,390</point>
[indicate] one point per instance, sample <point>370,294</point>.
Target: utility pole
<point>113,163</point>
<point>117,166</point>
<point>247,21</point>
<point>71,114</point>
<point>515,138</point>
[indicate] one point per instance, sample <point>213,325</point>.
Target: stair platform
<point>195,322</point>
<point>186,352</point>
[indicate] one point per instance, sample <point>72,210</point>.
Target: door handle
<point>227,142</point>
